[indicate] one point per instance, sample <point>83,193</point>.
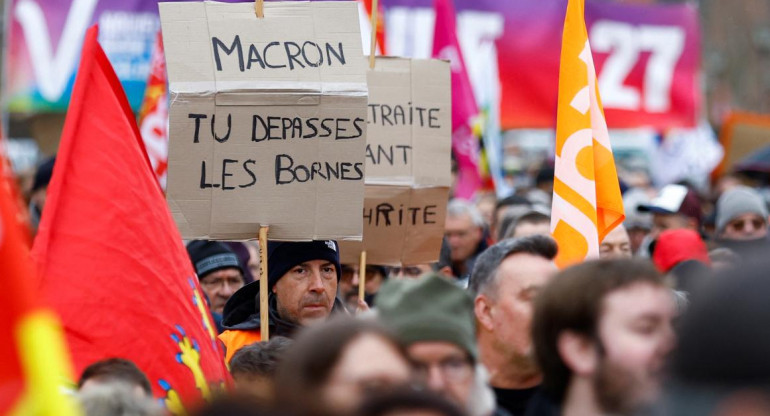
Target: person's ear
<point>482,308</point>
<point>446,271</point>
<point>578,353</point>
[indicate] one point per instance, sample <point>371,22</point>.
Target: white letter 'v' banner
<point>587,203</point>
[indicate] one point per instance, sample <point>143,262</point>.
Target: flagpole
<point>263,306</point>
<point>373,48</point>
<point>259,8</point>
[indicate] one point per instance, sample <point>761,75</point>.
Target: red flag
<point>110,257</point>
<point>465,145</point>
<point>380,29</point>
<point>153,116</point>
<point>33,357</point>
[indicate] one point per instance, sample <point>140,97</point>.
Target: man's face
<point>463,236</point>
<point>220,285</point>
<point>518,280</point>
<point>410,272</point>
<point>616,244</point>
<point>350,280</point>
<point>636,335</point>
<point>445,368</point>
<point>306,292</point>
<point>663,222</point>
<point>747,226</point>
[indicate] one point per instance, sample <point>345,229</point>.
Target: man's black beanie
<point>210,256</point>
<point>283,255</point>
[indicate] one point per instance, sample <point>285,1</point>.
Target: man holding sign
<point>302,284</point>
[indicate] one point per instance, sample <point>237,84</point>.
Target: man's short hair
<point>116,369</point>
<point>572,301</point>
<point>485,269</point>
<point>459,207</point>
<point>259,359</point>
<point>532,217</point>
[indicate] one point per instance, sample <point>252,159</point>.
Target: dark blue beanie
<point>210,256</point>
<point>283,255</point>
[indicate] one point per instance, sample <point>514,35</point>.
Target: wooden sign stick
<point>259,8</point>
<point>264,317</point>
<point>362,276</point>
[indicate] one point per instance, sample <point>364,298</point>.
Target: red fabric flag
<point>111,260</point>
<point>465,145</point>
<point>153,116</point>
<point>380,29</point>
<point>33,357</point>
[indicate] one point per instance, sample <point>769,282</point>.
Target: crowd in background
<point>672,320</point>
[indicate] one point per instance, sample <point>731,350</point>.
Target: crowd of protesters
<point>673,318</point>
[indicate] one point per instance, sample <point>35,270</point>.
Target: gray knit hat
<point>738,201</point>
<point>430,308</point>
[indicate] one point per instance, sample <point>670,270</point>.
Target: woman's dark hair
<point>309,363</point>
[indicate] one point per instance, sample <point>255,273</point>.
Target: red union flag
<point>110,258</point>
<point>379,30</point>
<point>586,196</point>
<point>153,116</point>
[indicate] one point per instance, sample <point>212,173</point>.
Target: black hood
<point>242,311</point>
<point>748,250</point>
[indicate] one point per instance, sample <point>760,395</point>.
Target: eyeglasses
<point>411,271</point>
<point>742,224</point>
<point>454,369</point>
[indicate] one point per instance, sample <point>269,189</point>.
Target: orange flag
<point>587,203</point>
<point>33,357</point>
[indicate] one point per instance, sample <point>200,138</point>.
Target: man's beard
<point>525,362</point>
<point>295,319</point>
<point>615,388</point>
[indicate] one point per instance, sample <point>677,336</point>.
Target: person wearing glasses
<point>433,319</point>
<point>219,272</point>
<point>741,222</point>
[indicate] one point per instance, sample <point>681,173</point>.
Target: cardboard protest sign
<point>407,162</point>
<point>267,119</point>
